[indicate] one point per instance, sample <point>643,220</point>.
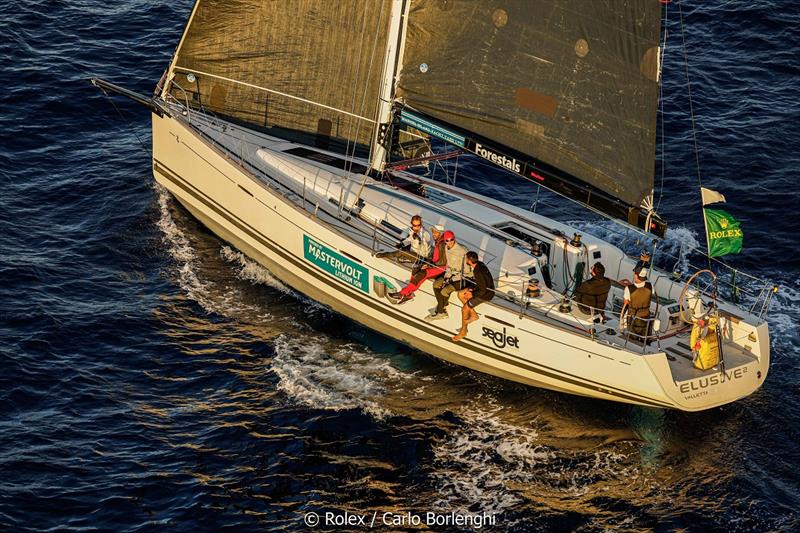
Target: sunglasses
<point>449,240</point>
<point>416,225</point>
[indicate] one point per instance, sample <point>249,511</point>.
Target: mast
<point>391,64</point>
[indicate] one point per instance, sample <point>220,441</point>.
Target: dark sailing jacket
<point>484,284</point>
<point>592,294</point>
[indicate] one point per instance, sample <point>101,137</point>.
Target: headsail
<point>574,88</point>
<point>305,69</point>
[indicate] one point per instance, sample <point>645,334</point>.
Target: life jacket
<point>640,300</point>
<point>639,310</point>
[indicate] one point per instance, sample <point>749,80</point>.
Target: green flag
<point>724,235</point>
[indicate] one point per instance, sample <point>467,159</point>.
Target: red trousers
<point>419,278</point>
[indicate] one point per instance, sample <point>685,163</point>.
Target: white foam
<point>476,462</point>
<point>178,245</point>
<point>249,270</point>
<point>181,250</point>
<point>334,377</point>
<point>492,465</point>
<point>678,244</point>
<point>675,248</point>
<point>211,296</point>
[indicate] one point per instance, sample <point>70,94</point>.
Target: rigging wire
<point>691,114</point>
<point>689,90</point>
<point>128,123</point>
<point>348,155</point>
<point>535,203</point>
<point>455,170</point>
<point>366,81</point>
<point>661,105</point>
<point>272,91</point>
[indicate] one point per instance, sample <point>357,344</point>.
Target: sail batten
<point>272,91</point>
<point>575,89</point>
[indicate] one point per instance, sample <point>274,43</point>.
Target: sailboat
<point>291,130</point>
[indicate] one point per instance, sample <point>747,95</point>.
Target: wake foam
<point>493,466</point>
<point>333,377</point>
<point>477,463</point>
<point>213,297</point>
<point>249,270</point>
<point>182,252</point>
<point>679,243</point>
<point>253,272</point>
<point>673,252</point>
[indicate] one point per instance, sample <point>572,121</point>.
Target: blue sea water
<point>152,377</point>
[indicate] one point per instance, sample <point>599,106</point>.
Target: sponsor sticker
<point>431,129</point>
<point>501,339</point>
<point>497,158</point>
<point>335,264</point>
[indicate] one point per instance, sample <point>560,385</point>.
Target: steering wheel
<point>686,287</point>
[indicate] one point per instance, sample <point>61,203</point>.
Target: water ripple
<point>155,378</point>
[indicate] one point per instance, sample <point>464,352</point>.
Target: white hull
<point>275,231</point>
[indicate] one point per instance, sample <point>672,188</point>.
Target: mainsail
<point>304,69</point>
<point>572,86</point>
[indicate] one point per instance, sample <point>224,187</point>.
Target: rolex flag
<point>723,232</point>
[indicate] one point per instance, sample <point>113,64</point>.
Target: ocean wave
<point>783,318</point>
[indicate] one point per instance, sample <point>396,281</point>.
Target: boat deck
<point>382,212</point>
<point>679,355</point>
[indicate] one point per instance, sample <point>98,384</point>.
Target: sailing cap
<point>449,235</point>
<point>439,228</point>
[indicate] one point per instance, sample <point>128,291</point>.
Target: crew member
<point>471,298</point>
<point>454,278</point>
<point>644,260</point>
<point>637,302</point>
<point>592,294</point>
<point>432,269</point>
<point>438,232</point>
<point>415,243</point>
